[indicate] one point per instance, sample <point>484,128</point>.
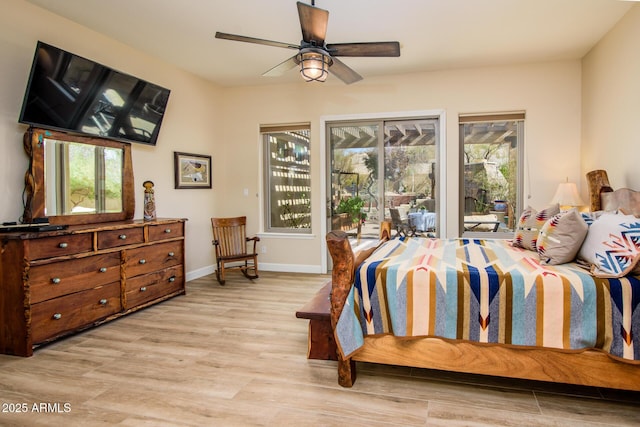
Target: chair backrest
<point>230,233</point>
<point>395,216</point>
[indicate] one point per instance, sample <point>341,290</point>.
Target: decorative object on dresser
<point>149,201</point>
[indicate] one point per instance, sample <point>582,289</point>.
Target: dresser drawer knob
<point>122,237</point>
<point>143,289</point>
<point>167,230</point>
<point>171,253</point>
<point>63,245</point>
<point>103,269</point>
<point>57,316</point>
<point>55,280</point>
<point>142,261</point>
<point>172,279</point>
<point>103,301</point>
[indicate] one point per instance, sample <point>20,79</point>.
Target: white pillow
<point>612,245</point>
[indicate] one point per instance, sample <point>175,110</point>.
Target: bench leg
<point>322,344</point>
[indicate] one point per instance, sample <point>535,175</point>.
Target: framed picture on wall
<point>192,170</point>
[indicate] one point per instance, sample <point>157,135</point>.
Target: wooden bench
<point>322,344</point>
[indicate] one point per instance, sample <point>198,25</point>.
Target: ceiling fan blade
<point>343,72</point>
<point>246,39</point>
<point>282,67</point>
<point>365,49</point>
<point>313,22</point>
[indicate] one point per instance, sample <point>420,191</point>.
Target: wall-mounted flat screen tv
<point>70,93</point>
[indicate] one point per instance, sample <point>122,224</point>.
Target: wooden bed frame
<point>589,367</point>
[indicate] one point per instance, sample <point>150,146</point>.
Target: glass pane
<point>106,110</point>
<point>410,172</point>
<point>77,74</point>
<point>289,182</point>
<point>82,178</point>
<point>355,199</point>
<point>491,173</point>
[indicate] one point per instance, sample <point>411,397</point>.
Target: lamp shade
<point>567,195</point>
<point>314,64</point>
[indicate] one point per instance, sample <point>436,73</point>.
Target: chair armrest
<point>255,239</point>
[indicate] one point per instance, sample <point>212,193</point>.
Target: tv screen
<point>70,93</point>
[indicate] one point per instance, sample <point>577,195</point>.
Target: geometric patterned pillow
<point>561,237</point>
<point>589,217</point>
<point>612,245</point>
<point>529,225</point>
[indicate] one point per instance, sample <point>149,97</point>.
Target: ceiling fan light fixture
<point>314,64</point>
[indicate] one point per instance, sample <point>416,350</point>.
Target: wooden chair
<point>402,228</point>
<point>231,241</point>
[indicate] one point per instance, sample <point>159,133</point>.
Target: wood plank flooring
<point>235,355</point>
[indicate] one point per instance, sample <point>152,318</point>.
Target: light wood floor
<point>236,356</point>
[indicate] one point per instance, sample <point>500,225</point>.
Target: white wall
<point>611,104</point>
<point>203,118</point>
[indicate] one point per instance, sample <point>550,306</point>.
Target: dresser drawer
<point>124,236</point>
<point>68,244</point>
<point>151,258</point>
<point>61,278</point>
<point>56,316</point>
<point>166,231</point>
<point>148,287</point>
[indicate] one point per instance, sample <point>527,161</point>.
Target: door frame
<point>324,176</point>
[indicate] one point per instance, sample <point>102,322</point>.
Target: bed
<point>476,316</point>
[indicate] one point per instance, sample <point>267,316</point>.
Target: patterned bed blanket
<point>490,292</point>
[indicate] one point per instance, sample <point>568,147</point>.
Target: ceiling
<point>433,34</point>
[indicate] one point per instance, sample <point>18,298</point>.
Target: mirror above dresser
<point>77,179</point>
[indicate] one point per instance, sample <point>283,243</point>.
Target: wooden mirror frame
<point>34,203</point>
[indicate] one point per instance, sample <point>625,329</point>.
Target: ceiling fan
<point>314,56</point>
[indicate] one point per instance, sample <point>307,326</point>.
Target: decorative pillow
<point>612,245</point>
<point>589,217</point>
<point>529,226</point>
<point>561,237</point>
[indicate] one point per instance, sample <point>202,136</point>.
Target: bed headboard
<point>603,197</point>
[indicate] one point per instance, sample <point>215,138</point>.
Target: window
<point>491,150</point>
<point>287,183</point>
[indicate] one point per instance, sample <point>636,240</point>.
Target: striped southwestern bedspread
<point>490,292</point>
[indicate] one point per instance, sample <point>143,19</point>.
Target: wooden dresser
<point>56,283</point>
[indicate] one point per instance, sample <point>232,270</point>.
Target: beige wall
<point>193,118</point>
<point>203,118</point>
<point>549,93</point>
<point>611,104</point>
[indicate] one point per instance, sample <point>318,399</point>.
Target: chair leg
<point>246,268</point>
<point>220,273</point>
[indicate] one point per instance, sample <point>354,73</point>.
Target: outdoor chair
<point>231,242</point>
<point>402,228</point>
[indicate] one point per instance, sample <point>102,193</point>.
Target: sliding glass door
<point>380,167</point>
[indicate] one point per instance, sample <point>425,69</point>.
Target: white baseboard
<point>290,268</point>
<point>282,268</point>
<point>201,272</point>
